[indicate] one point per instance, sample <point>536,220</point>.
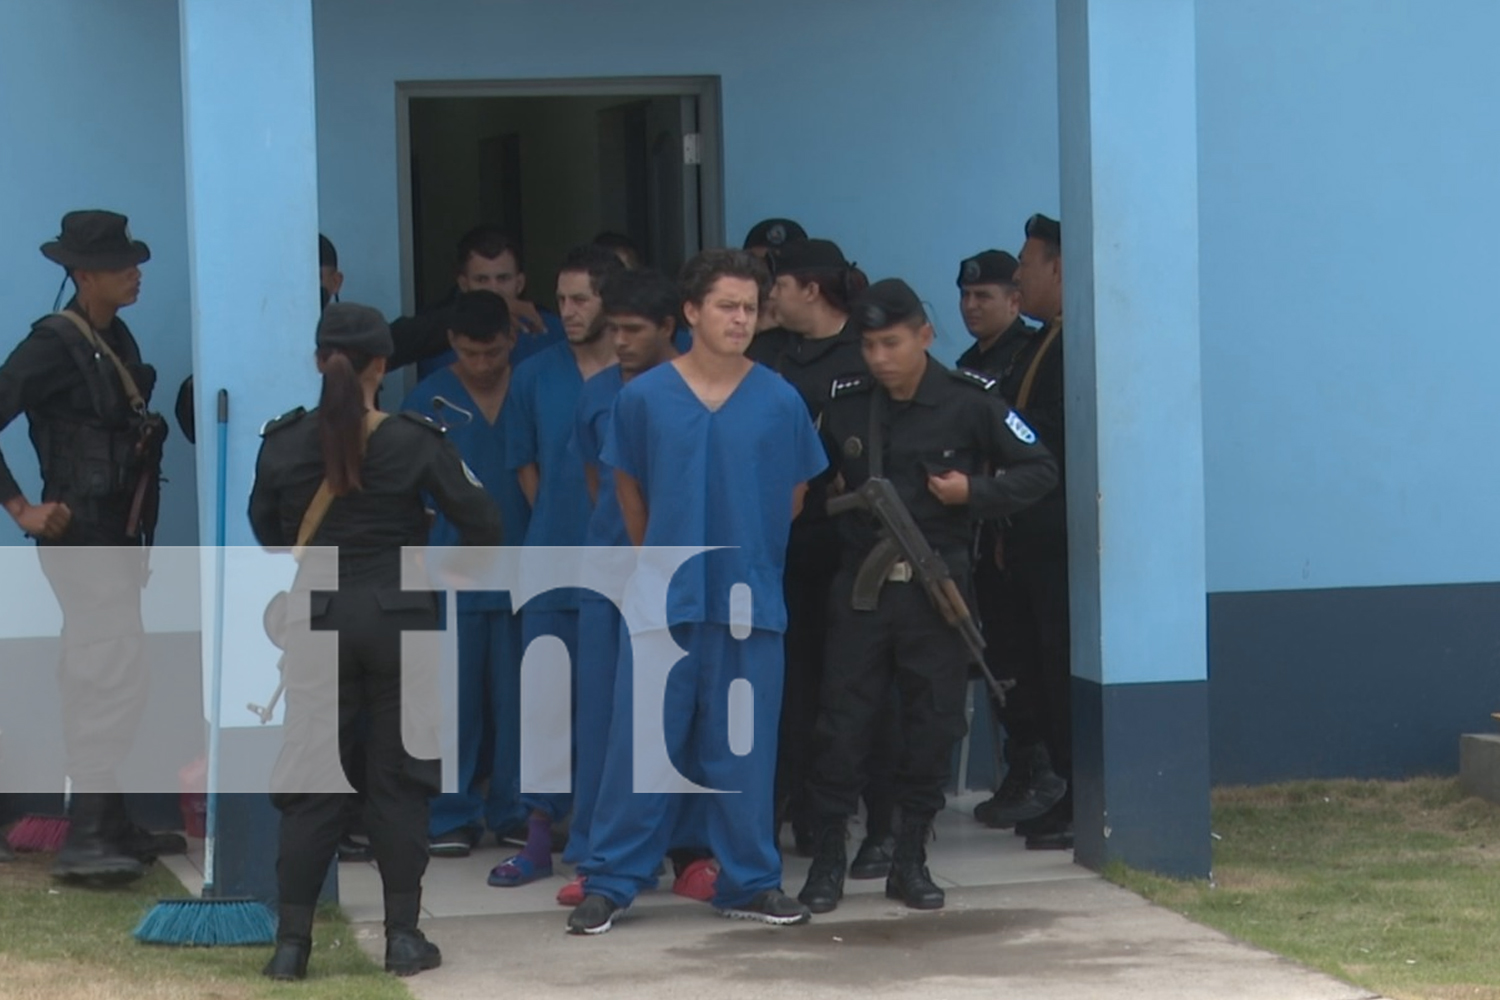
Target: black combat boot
<point>1017,776</point>
<point>293,943</point>
<point>407,951</point>
<point>825,879</point>
<point>136,841</point>
<point>909,880</point>
<point>90,853</point>
<point>1043,789</point>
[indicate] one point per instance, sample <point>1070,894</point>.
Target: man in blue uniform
<point>955,453</point>
<point>468,398</point>
<point>641,319</point>
<point>538,427</point>
<point>489,260</point>
<point>710,449</point>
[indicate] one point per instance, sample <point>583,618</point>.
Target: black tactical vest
<point>88,448</point>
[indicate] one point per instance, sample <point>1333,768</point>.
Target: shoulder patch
<point>848,385</point>
<point>285,420</point>
<point>975,378</point>
<point>423,420</point>
<point>1020,428</point>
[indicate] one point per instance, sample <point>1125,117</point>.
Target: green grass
<point>1393,886</point>
<point>61,942</point>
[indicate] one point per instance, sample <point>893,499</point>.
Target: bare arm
<point>591,477</point>
<point>632,506</point>
<point>530,477</point>
<point>799,494</point>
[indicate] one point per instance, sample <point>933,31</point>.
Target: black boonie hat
<point>96,240</point>
<point>346,326</point>
<point>884,304</point>
<point>800,256</point>
<point>992,267</point>
<point>774,233</point>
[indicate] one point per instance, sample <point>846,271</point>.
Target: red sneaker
<point>571,894</point>
<point>696,881</point>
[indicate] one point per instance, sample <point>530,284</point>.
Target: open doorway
<point>555,163</point>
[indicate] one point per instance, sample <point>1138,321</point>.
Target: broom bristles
<point>44,834</point>
<point>207,923</point>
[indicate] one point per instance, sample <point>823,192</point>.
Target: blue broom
<point>212,920</point>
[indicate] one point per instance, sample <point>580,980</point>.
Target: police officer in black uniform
<point>1004,348</point>
<point>79,378</point>
<point>955,453</point>
<point>1035,545</point>
<point>814,286</point>
<point>765,238</point>
<point>377,474</point>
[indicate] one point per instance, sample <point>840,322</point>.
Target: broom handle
<point>211,820</point>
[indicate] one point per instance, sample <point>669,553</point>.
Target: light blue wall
<point>1350,211</point>
<point>912,133</point>
<point>91,117</point>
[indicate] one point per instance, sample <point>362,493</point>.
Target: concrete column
<point>1129,154</point>
<point>252,210</point>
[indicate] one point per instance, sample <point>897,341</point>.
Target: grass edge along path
<point>1393,886</point>
<point>61,942</point>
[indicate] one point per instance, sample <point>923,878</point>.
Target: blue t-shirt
<point>544,392</point>
<point>527,344</point>
<point>591,427</point>
<point>482,446</point>
<point>722,477</point>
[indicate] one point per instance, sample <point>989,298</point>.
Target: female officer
<point>343,476</point>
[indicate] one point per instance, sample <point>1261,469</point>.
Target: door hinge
<point>690,153</point>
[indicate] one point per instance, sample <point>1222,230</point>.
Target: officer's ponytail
<point>341,417</point>
<point>838,286</point>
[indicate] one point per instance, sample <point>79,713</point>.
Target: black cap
<point>1048,230</point>
<point>992,267</point>
<point>478,315</point>
<point>327,255</point>
<point>884,304</point>
<point>346,326</point>
<point>96,240</point>
<point>774,233</point>
<point>799,256</point>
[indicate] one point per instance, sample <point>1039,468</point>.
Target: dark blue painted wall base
<point>1375,682</point>
<point>1140,776</point>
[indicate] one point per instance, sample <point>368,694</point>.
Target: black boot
<point>873,859</point>
<point>1043,789</point>
<point>293,943</point>
<point>909,880</point>
<point>1017,777</point>
<point>407,951</point>
<point>6,854</point>
<point>90,854</point>
<point>136,841</point>
<point>825,879</point>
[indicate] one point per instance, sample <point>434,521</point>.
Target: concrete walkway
<point>1018,924</point>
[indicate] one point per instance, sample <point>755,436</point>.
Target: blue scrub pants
<point>563,624</point>
<point>489,727</point>
<point>631,831</point>
<point>602,642</point>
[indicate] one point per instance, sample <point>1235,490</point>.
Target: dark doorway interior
<point>553,171</point>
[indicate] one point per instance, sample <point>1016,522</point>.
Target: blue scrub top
<point>545,391</point>
<point>527,344</point>
<point>721,477</point>
<point>591,427</point>
<point>482,446</point>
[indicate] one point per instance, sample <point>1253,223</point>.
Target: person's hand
<point>525,316</point>
<point>951,488</point>
<point>45,520</point>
